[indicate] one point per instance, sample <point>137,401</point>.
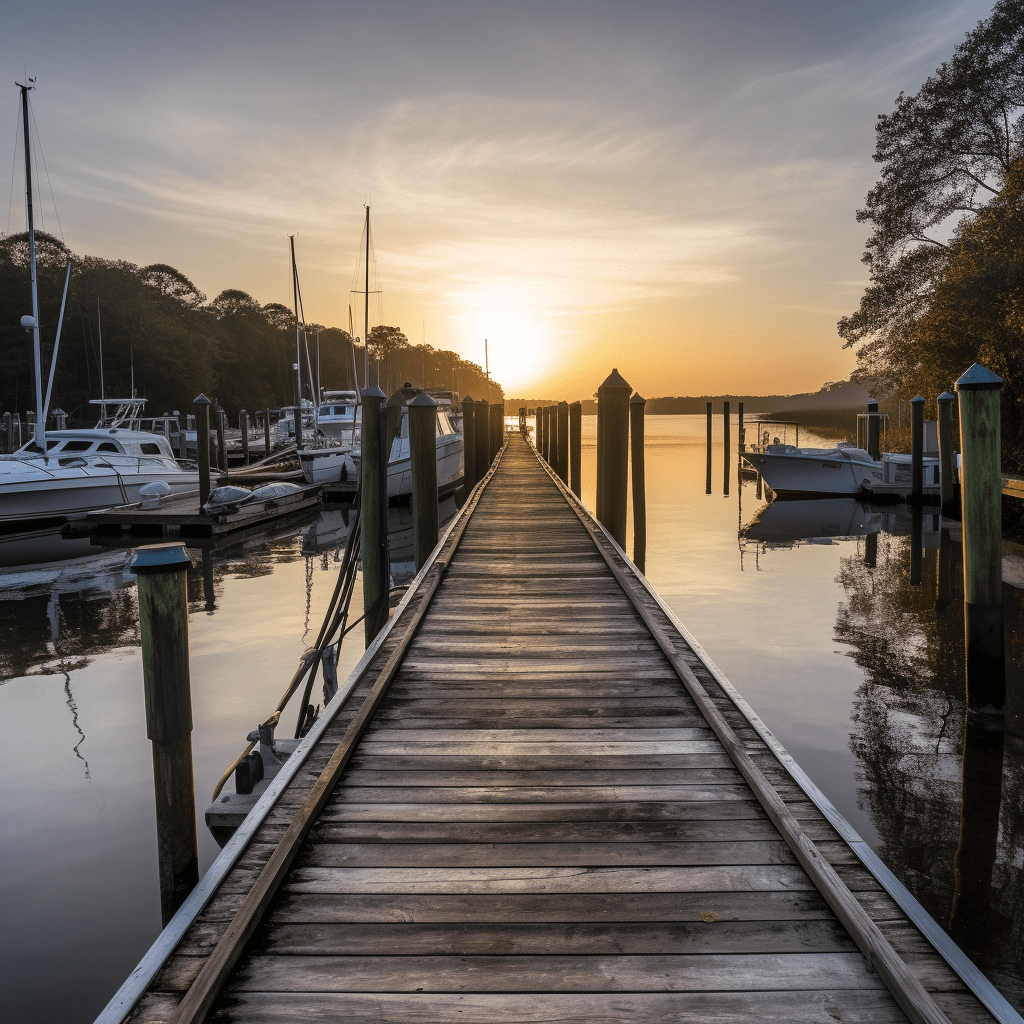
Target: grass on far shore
<point>841,425</point>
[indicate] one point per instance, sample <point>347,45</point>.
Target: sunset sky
<point>667,188</point>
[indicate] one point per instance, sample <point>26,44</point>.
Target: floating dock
<point>536,799</point>
<point>180,517</point>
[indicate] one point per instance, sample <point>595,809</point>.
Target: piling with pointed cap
<point>916,450</point>
<point>575,446</point>
<point>947,477</point>
<point>423,453</point>
<point>202,406</point>
<point>981,503</point>
<point>874,448</point>
<point>482,412</point>
<point>636,443</point>
<point>562,417</point>
<point>163,625</point>
<point>613,453</point>
<point>376,570</point>
<point>469,443</point>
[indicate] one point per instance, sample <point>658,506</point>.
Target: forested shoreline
<point>160,327</point>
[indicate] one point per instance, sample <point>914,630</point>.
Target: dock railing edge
<point>988,995</point>
<point>136,984</point>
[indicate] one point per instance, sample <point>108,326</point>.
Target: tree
<point>946,152</point>
<point>385,343</point>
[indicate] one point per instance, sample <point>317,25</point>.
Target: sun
<point>519,341</point>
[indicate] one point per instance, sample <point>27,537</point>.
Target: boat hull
<point>799,475</point>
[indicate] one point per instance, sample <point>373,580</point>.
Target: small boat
<point>814,472</point>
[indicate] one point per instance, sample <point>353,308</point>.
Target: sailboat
<point>328,461</point>
<point>59,473</point>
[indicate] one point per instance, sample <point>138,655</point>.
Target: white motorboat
<point>338,417</point>
<point>330,463</point>
<point>84,470</point>
<point>814,472</point>
<point>63,472</point>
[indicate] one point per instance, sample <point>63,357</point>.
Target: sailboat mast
<point>40,431</point>
<point>298,349</point>
<point>366,305</point>
<point>103,389</point>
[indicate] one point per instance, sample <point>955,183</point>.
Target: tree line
<point>946,252</point>
<point>161,334</point>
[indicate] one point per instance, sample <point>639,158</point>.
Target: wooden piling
<point>8,433</point>
<point>423,453</point>
<point>469,443</point>
<point>483,437</point>
<point>222,452</point>
<point>562,416</point>
<point>243,424</point>
<point>552,416</point>
<point>981,503</point>
<point>613,453</point>
<point>726,442</point>
<point>202,406</point>
<point>266,430</point>
<point>497,428</point>
<point>545,435</point>
<point>575,446</point>
<point>708,488</point>
<point>636,442</point>
<point>873,430</point>
<point>376,569</point>
<point>916,450</point>
<point>163,624</point>
<point>740,433</point>
<point>948,490</point>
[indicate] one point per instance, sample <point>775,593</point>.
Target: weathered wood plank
<point>795,1007</point>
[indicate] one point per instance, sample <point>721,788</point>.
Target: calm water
<point>813,610</point>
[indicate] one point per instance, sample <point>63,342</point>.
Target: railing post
<point>202,406</point>
<point>469,443</point>
<point>873,431</point>
<point>575,446</point>
<point>376,570</point>
<point>636,441</point>
<point>613,453</point>
<point>423,453</point>
<point>947,476</point>
<point>562,414</point>
<point>482,412</point>
<point>981,489</point>
<point>917,450</point>
<point>243,423</point>
<point>163,623</point>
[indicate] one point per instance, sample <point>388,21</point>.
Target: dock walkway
<point>539,817</point>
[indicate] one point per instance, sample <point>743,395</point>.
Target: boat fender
<point>152,493</point>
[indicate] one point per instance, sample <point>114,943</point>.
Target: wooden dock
<point>536,799</point>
